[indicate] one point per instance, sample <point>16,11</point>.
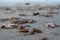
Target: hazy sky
<point>6,1</point>
<point>2,2</point>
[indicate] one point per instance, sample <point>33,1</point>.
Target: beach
<point>50,33</point>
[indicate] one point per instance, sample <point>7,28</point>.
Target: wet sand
<point>50,33</point>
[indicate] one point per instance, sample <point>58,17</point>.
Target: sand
<point>50,33</point>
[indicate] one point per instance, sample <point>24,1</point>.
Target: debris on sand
<point>27,3</point>
<point>41,8</point>
<point>30,30</point>
<point>45,38</point>
<point>22,14</point>
<point>35,14</point>
<point>9,26</point>
<point>9,19</point>
<point>7,9</point>
<point>5,19</point>
<point>22,21</point>
<point>14,18</point>
<point>47,15</point>
<point>52,25</point>
<point>52,12</point>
